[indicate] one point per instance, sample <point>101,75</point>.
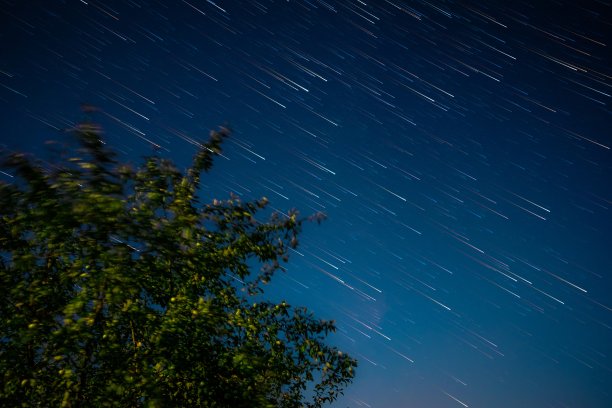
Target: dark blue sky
<point>460,150</point>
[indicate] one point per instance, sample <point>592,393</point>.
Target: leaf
<point>120,289</point>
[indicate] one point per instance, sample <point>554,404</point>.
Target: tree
<point>121,289</point>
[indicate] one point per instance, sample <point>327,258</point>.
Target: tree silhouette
<point>119,288</point>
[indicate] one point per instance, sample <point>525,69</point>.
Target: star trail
<point>460,149</point>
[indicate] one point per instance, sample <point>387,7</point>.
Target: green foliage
<point>121,289</point>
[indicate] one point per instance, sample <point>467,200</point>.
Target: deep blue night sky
<point>461,152</point>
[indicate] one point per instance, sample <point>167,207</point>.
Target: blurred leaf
<point>119,290</point>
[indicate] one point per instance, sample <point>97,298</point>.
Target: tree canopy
<point>120,288</point>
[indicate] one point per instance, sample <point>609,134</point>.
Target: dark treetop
<point>120,289</point>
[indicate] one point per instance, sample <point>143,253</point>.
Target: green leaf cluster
<point>119,288</point>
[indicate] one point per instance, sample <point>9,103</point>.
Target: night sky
<point>461,150</point>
